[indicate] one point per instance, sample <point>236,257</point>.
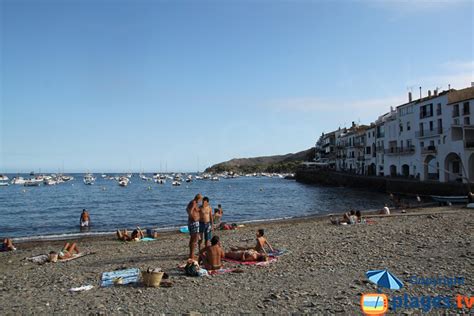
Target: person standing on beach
<point>205,223</point>
<point>85,219</point>
<point>193,223</point>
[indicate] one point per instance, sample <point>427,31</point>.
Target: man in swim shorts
<point>205,223</point>
<point>193,223</point>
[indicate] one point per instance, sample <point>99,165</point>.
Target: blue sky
<point>127,85</point>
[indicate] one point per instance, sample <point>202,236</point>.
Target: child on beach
<point>205,223</point>
<point>260,246</point>
<point>218,212</point>
<point>7,245</point>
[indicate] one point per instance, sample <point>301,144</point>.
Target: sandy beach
<point>324,271</point>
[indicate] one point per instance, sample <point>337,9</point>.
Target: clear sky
<point>111,85</point>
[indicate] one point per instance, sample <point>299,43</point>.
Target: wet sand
<point>324,272</point>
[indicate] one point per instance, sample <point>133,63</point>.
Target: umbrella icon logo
<point>377,304</point>
<point>385,279</point>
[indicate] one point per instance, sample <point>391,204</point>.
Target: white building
<point>430,139</point>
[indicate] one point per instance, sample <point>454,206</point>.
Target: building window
<point>467,121</point>
<point>440,126</point>
<point>408,126</point>
<point>465,108</point>
<point>431,125</point>
<point>456,110</point>
<point>438,109</point>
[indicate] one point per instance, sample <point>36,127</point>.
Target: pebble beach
<point>322,273</point>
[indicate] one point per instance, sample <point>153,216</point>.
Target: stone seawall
<point>381,184</point>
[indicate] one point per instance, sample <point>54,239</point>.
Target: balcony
<point>426,133</point>
<point>400,151</point>
<point>469,144</point>
<point>429,150</point>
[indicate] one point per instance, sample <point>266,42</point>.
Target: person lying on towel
<point>65,253</point>
<point>210,257</point>
<point>260,246</point>
<point>136,235</point>
<point>246,255</point>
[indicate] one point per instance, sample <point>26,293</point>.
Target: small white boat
<point>4,184</point>
<point>451,199</point>
<point>3,177</point>
<point>160,181</point>
<point>18,180</point>
<point>215,179</point>
<point>50,182</point>
<point>123,181</point>
<point>89,179</point>
<point>31,183</point>
<point>176,183</point>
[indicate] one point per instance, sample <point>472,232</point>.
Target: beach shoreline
<point>26,240</point>
<point>324,271</point>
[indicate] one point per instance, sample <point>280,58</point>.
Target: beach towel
<point>252,263</point>
<point>121,277</point>
<point>221,271</point>
<point>74,256</point>
<point>277,252</point>
<point>40,259</point>
<point>148,239</point>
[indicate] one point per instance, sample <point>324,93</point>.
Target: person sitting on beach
<point>359,219</point>
<point>348,218</point>
<point>85,219</point>
<point>137,234</point>
<point>65,253</point>
<point>151,233</point>
<point>7,245</point>
<point>205,223</point>
<point>246,255</point>
<point>218,212</point>
<point>193,223</point>
<point>211,255</point>
<point>385,210</point>
<point>261,243</point>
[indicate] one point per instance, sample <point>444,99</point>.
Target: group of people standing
<point>201,222</point>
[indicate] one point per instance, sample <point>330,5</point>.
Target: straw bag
<point>152,277</point>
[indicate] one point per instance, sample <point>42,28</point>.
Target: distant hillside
<point>279,163</point>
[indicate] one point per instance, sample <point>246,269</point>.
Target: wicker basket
<point>152,277</point>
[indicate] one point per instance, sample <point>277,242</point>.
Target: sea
<point>53,212</point>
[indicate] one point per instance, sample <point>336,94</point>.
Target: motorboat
<point>31,183</point>
<point>123,181</point>
<point>160,181</point>
<point>89,179</point>
<point>176,183</point>
<point>50,181</point>
<point>462,199</point>
<point>215,179</point>
<point>3,177</point>
<point>18,180</point>
<point>4,184</point>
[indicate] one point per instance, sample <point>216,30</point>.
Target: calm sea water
<point>55,210</point>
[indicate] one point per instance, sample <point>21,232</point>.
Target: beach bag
<point>152,277</point>
<point>192,269</point>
